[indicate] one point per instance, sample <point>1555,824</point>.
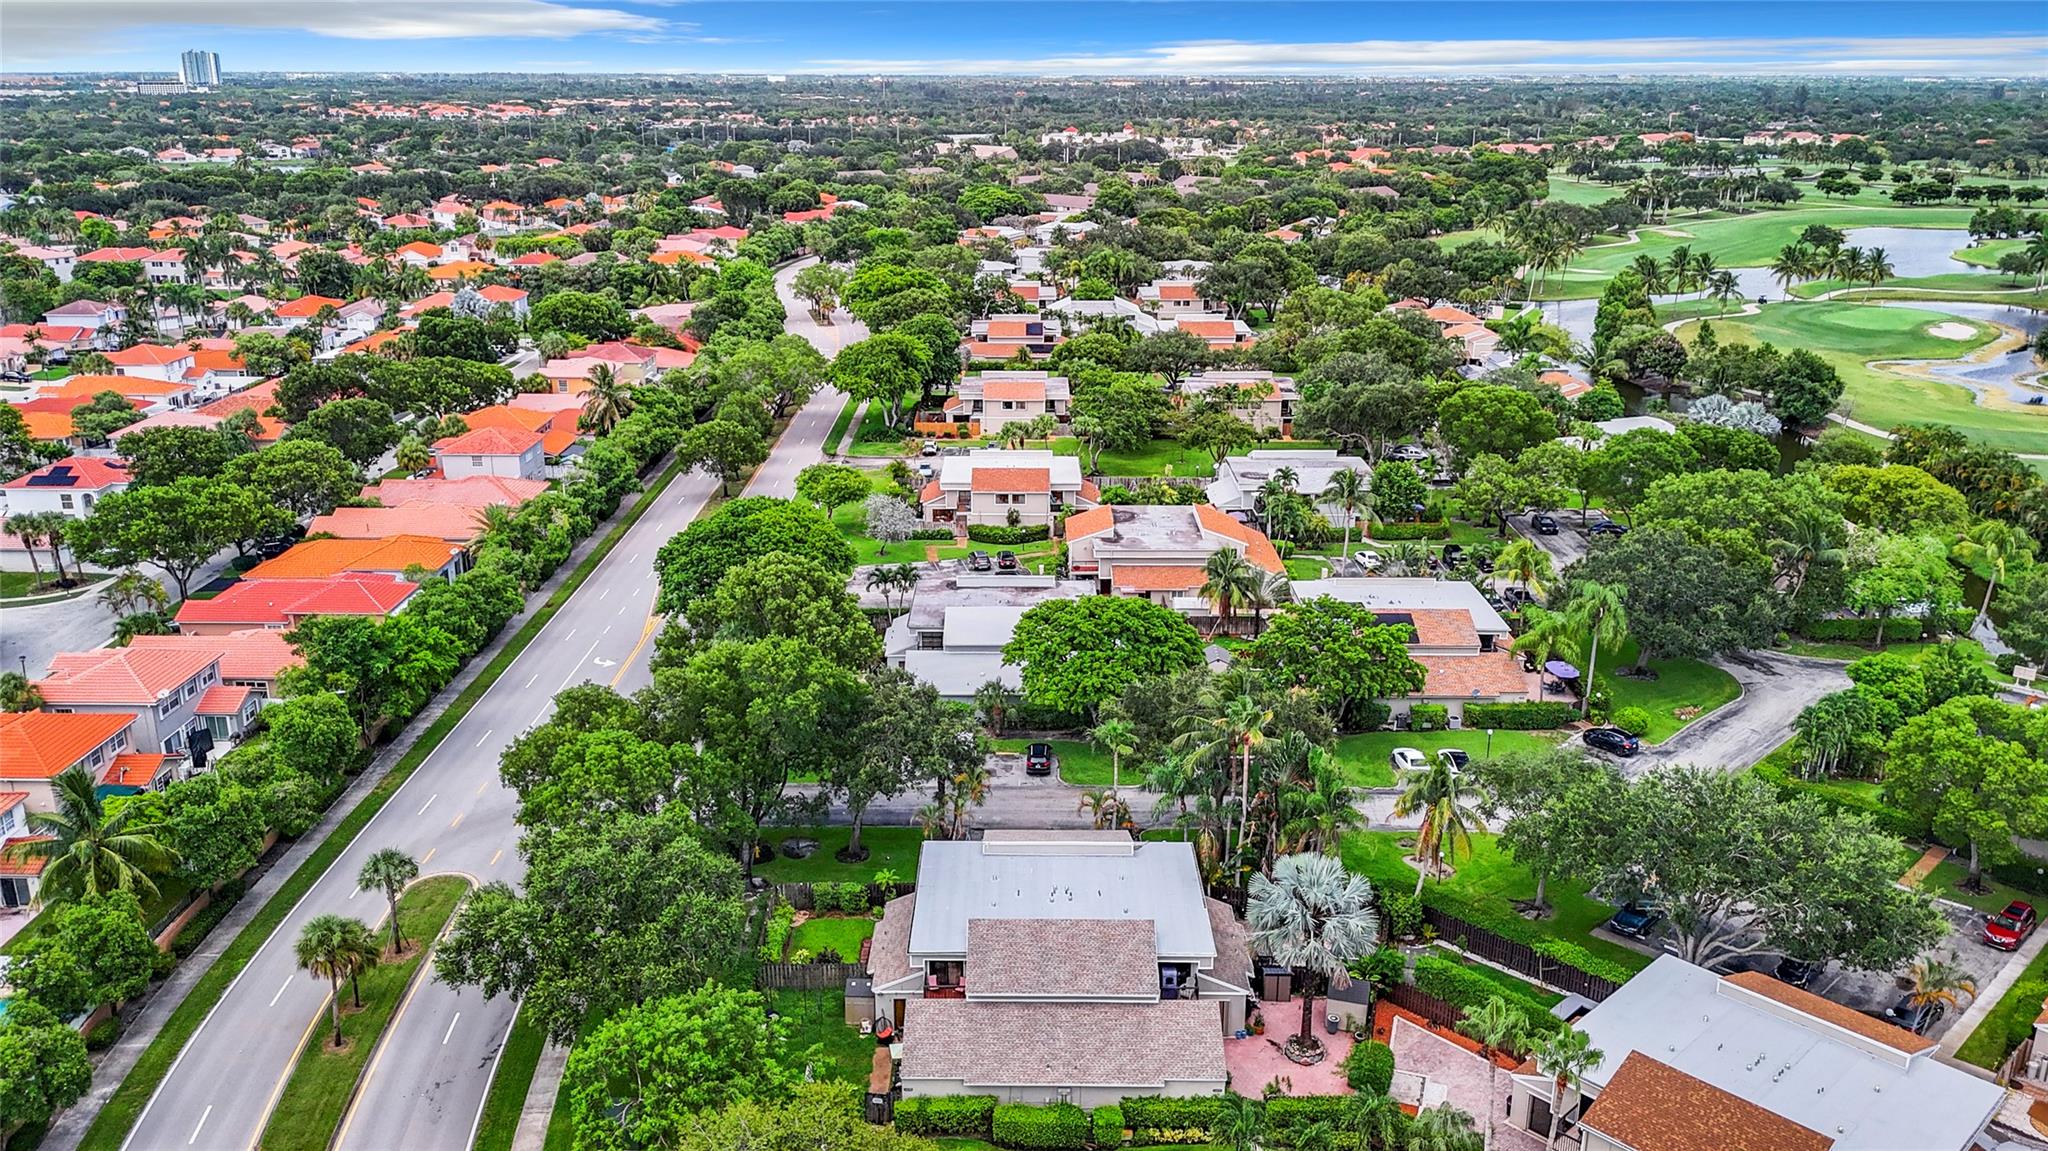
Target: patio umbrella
<point>1561,669</point>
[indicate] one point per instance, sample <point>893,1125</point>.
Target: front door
<point>899,1016</point>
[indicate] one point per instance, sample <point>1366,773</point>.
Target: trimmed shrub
<point>1382,967</point>
<point>1633,720</point>
<point>932,534</point>
<point>1369,1069</point>
<point>1287,1114</point>
<point>1058,1126</point>
<point>776,937</point>
<point>199,926</point>
<point>1285,548</point>
<point>1896,630</point>
<point>1426,530</point>
<point>1404,911</point>
<point>1460,986</point>
<point>1429,717</point>
<point>1532,715</point>
<point>967,1115</point>
<point>1369,715</point>
<point>103,1034</point>
<point>1572,955</point>
<point>1003,534</point>
<point>1108,1123</point>
<point>1157,1119</point>
<point>1889,819</point>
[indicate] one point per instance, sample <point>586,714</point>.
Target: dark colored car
<point>1796,972</point>
<point>1544,523</point>
<point>1613,740</point>
<point>1038,759</point>
<point>1452,554</point>
<point>1636,920</point>
<point>979,561</point>
<point>2009,928</point>
<point>1006,561</point>
<point>1914,1017</point>
<point>1516,598</point>
<point>1607,528</point>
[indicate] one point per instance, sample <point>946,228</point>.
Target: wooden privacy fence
<point>1517,956</point>
<point>806,976</point>
<point>1409,997</point>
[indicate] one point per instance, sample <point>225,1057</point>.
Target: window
<point>217,726</point>
<point>64,501</point>
<point>88,501</point>
<point>165,709</point>
<point>476,461</point>
<point>191,688</point>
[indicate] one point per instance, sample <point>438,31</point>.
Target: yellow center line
<point>646,633</point>
<point>457,821</point>
<point>495,856</point>
<point>270,1104</point>
<point>480,787</point>
<point>428,855</point>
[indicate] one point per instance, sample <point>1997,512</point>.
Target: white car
<point>1369,560</point>
<point>931,448</point>
<point>1408,453</point>
<point>925,470</point>
<point>1408,759</point>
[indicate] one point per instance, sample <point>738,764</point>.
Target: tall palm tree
<point>1723,285</point>
<point>1271,590</point>
<point>413,454</point>
<point>1597,613</point>
<point>1231,732</point>
<point>1373,1120</point>
<point>1794,262</point>
<point>88,852</point>
<point>1990,548</point>
<point>1231,581</point>
<point>28,527</point>
<point>1241,1122</point>
<point>1877,267</point>
<point>1498,1026</point>
<point>609,400</point>
<point>1349,489</point>
<point>131,590</point>
<point>389,870</point>
<point>1444,796</point>
<point>1443,1128</point>
<point>1318,815</point>
<point>328,948</point>
<point>1530,565</point>
<point>1651,269</point>
<point>1565,1056</point>
<point>1119,737</point>
<point>1939,981</point>
<point>1678,268</point>
<point>1809,537</point>
<point>1315,916</point>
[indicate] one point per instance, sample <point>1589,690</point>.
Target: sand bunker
<point>1952,331</point>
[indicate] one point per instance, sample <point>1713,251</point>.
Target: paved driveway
<point>1775,688</point>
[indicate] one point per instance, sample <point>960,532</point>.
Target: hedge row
<point>1057,1126</point>
<point>932,534</point>
<point>1895,630</point>
<point>1004,534</point>
<point>1426,530</point>
<point>851,898</point>
<point>1109,1126</point>
<point>1429,717</point>
<point>1891,820</point>
<point>966,1115</point>
<point>1532,715</point>
<point>1459,985</point>
<point>1155,1120</point>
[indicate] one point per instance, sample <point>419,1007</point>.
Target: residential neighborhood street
<point>1776,687</point>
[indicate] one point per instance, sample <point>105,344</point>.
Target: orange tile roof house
<point>1458,638</point>
<point>1220,331</point>
<point>451,522</point>
<point>1158,552</point>
<point>279,604</point>
<point>251,658</point>
<point>505,452</point>
<point>293,313</point>
<point>392,556</point>
<point>1003,335</point>
<point>469,492</point>
<point>1260,398</point>
<point>152,360</point>
<point>557,429</point>
<point>1171,298</point>
<point>997,399</point>
<point>168,691</point>
<point>38,746</point>
<point>989,486</point>
<point>1692,1061</point>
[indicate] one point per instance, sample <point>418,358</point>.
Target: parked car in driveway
<point>1038,759</point>
<point>979,561</point>
<point>931,448</point>
<point>2010,928</point>
<point>1408,453</point>
<point>1607,528</point>
<point>1914,1017</point>
<point>1544,523</point>
<point>1006,561</point>
<point>1408,759</point>
<point>1614,741</point>
<point>1796,972</point>
<point>1636,919</point>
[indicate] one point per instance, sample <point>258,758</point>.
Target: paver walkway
<point>1928,861</point>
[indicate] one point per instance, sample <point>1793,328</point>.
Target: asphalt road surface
<point>424,1088</point>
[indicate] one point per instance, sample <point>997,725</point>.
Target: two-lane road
<point>426,1084</point>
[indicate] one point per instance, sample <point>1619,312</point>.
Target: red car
<point>2010,927</point>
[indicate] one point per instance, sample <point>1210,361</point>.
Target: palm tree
<point>609,400</point>
<point>1877,267</point>
<point>1271,590</point>
<point>1443,1128</point>
<point>1597,613</point>
<point>1232,732</point>
<point>1651,270</point>
<point>1529,564</point>
<point>389,870</point>
<point>1565,1056</point>
<point>28,527</point>
<point>1241,1122</point>
<point>1119,737</point>
<point>1498,1026</point>
<point>1678,267</point>
<point>1316,916</point>
<point>1990,548</point>
<point>1374,1121</point>
<point>1231,582</point>
<point>1102,807</point>
<point>130,590</point>
<point>1703,269</point>
<point>413,454</point>
<point>85,851</point>
<point>1349,489</point>
<point>1809,537</point>
<point>991,703</point>
<point>1318,815</point>
<point>1442,794</point>
<point>1794,262</point>
<point>1723,285</point>
<point>328,948</point>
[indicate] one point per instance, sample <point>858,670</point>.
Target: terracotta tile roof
<point>41,744</point>
<point>1176,291</point>
<point>121,675</point>
<point>1651,1106</point>
<point>1210,329</point>
<point>503,416</point>
<point>87,472</point>
<point>304,307</point>
<point>488,442</point>
<point>258,653</point>
<point>9,800</point>
<point>1013,389</point>
<point>1129,1045</point>
<point>558,440</point>
<point>221,699</point>
<point>1063,958</point>
<point>1485,675</point>
<point>1158,577</point>
<point>452,522</point>
<point>86,387</point>
<point>1009,329</point>
<point>134,769</point>
<point>1443,627</point>
<point>420,248</point>
<point>1258,548</point>
<point>1088,491</point>
<point>1450,314</point>
<point>1828,1011</point>
<point>22,866</point>
<point>1090,522</point>
<point>318,559</point>
<point>929,492</point>
<point>277,602</point>
<point>469,491</point>
<point>1012,480</point>
<point>458,269</point>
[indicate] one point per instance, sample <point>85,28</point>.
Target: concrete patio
<point>1258,1060</point>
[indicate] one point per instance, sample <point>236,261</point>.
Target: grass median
<point>111,1126</point>
<point>325,1076</point>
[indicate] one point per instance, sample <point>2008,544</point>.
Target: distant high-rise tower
<point>199,69</point>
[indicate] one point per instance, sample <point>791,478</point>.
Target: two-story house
<point>392,556</point>
<point>71,486</point>
<point>507,452</point>
<point>177,699</point>
<point>1459,639</point>
<point>1259,398</point>
<point>1171,299</point>
<point>1218,330</point>
<point>1060,966</point>
<point>1159,552</point>
<point>152,361</point>
<point>35,748</point>
<point>994,400</point>
<point>998,486</point>
<point>1002,336</point>
<point>253,658</point>
<point>282,603</point>
<point>1239,480</point>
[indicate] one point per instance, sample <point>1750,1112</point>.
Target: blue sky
<point>1165,37</point>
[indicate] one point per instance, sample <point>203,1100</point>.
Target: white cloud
<point>1910,55</point>
<point>45,30</point>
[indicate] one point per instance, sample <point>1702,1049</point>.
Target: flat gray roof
<point>959,881</point>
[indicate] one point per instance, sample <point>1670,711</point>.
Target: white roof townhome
<point>1259,398</point>
<point>1048,966</point>
<point>953,631</point>
<point>990,486</point>
<point>1239,478</point>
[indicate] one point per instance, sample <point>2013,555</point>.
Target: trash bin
<point>1330,1022</point>
<point>1276,982</point>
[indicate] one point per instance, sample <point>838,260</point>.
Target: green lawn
<point>1364,756</point>
<point>819,1017</point>
<point>1081,764</point>
<point>841,934</point>
<point>2011,1021</point>
<point>873,437</point>
<point>1849,335</point>
<point>1752,240</point>
<point>1679,683</point>
<point>894,848</point>
<point>839,425</point>
<point>1486,887</point>
<point>21,585</point>
<point>1986,253</point>
<point>1946,881</point>
<point>1911,649</point>
<point>1158,458</point>
<point>509,1083</point>
<point>318,1091</point>
<point>1907,285</point>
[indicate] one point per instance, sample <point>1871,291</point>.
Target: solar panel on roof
<point>59,476</point>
